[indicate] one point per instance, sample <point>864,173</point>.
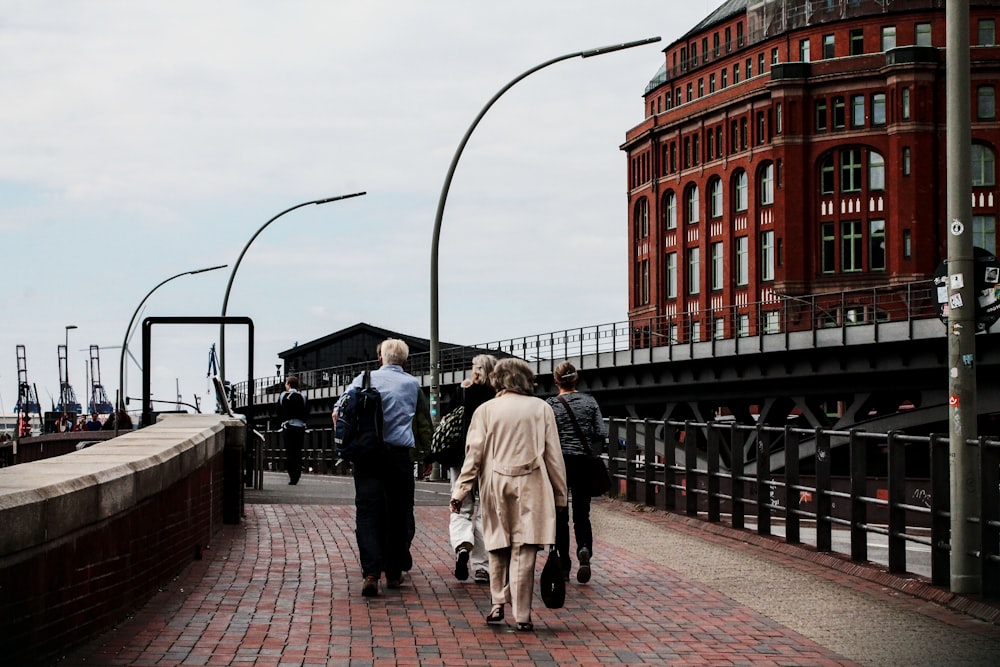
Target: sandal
<point>525,627</point>
<point>495,615</point>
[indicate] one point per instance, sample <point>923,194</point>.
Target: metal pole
<point>435,388</point>
<point>962,408</point>
<point>120,403</point>
<point>232,274</point>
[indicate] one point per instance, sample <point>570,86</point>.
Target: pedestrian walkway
<point>283,589</point>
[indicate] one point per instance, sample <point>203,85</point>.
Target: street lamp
<point>121,362</point>
<point>232,274</point>
<point>435,389</point>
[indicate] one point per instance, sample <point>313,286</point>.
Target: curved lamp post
<point>435,388</point>
<point>121,362</point>
<point>232,274</point>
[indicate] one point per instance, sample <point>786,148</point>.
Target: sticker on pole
<point>985,284</point>
<point>953,401</point>
<point>957,227</point>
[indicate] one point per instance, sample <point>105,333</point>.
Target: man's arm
<point>423,429</point>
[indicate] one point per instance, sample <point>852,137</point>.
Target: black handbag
<point>600,480</point>
<point>552,582</point>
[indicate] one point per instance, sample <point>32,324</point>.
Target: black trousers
<point>384,526</point>
<point>578,481</point>
<point>293,437</point>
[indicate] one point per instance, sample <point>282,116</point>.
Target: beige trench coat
<point>513,449</point>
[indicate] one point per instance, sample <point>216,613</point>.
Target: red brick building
<point>797,147</point>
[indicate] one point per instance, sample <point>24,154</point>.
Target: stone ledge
<point>45,500</point>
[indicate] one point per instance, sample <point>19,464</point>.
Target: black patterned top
<point>588,416</point>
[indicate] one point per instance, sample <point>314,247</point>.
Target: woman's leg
<point>499,567</point>
<point>522,581</point>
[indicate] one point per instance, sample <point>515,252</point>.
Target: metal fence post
<point>613,450</point>
<point>669,467</point>
<point>763,482</point>
<point>897,498</point>
<point>649,458</point>
<point>630,449</point>
<point>737,473</point>
<point>690,470</point>
<point>824,502</point>
<point>859,491</point>
<point>940,510</point>
<point>792,518</point>
<point>714,510</point>
<point>989,514</point>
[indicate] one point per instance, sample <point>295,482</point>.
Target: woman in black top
<point>576,454</point>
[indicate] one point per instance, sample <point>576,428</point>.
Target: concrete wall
<point>88,537</point>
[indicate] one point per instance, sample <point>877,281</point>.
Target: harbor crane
<point>67,398</point>
<point>99,402</point>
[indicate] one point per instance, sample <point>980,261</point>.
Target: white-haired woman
<point>512,449</point>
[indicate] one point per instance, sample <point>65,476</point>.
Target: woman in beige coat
<point>513,449</point>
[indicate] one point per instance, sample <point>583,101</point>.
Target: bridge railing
<point>684,472</point>
<point>829,316</point>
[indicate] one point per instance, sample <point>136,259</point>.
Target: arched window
<point>715,198</point>
<point>642,218</point>
<point>876,171</point>
<point>765,179</point>
<point>691,205</point>
<point>983,166</point>
<point>668,210</point>
<point>740,191</point>
<point>827,175</point>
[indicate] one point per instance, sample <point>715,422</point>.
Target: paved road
<point>283,589</point>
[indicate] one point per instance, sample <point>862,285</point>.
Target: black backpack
<point>358,430</point>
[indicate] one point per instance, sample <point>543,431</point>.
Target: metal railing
<point>828,316</point>
<point>683,471</point>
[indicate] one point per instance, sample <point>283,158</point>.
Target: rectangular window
<point>695,331</point>
<point>767,185</point>
<point>888,37</point>
<point>820,115</point>
<point>749,65</point>
<point>694,271</point>
<point>760,64</point>
<point>774,56</point>
<point>719,328</point>
<point>876,245</point>
<point>850,246</point>
<point>729,40</point>
<point>984,232</point>
<point>767,256</point>
<point>701,87</point>
<point>857,42</point>
<point>671,275</point>
<point>761,128</point>
<point>716,195</point>
<point>857,111</point>
<point>671,211</point>
<point>850,170</point>
<point>718,266</point>
<point>986,103</point>
<point>743,329</point>
<point>709,144</point>
<point>736,73</point>
<point>718,141</point>
<point>907,244</point>
<point>743,133</point>
<point>828,247</point>
<point>838,113</point>
<point>922,36</point>
<point>695,150</point>
<point>826,176</point>
<point>906,160</point>
<point>906,103</point>
<point>689,90</point>
<point>772,321</point>
<point>804,50</point>
<point>739,35</point>
<point>642,283</point>
<point>828,46</point>
<point>878,108</point>
<point>715,45</point>
<point>742,260</point>
<point>778,120</point>
<point>711,83</point>
<point>987,32</point>
<point>725,77</point>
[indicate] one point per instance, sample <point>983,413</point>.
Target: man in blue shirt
<point>383,488</point>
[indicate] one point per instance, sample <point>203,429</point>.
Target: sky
<point>142,140</point>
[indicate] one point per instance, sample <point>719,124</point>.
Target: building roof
<point>724,12</point>
<point>353,330</point>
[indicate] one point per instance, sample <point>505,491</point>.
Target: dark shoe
<point>394,582</point>
<point>481,576</point>
<point>462,565</point>
<point>495,615</point>
<point>525,627</point>
<point>583,571</point>
<point>370,588</point>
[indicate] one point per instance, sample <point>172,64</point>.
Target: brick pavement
<point>283,589</point>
